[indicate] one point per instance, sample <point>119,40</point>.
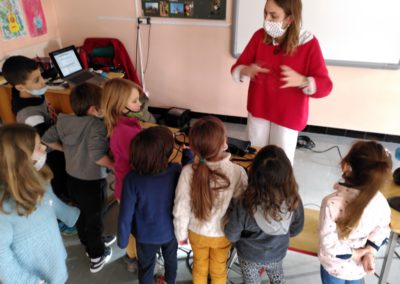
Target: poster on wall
<point>195,9</point>
<point>34,17</point>
<point>11,20</point>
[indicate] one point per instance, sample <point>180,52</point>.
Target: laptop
<point>70,68</point>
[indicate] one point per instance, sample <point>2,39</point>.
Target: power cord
<point>305,142</point>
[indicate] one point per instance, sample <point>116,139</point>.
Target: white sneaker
<point>96,264</point>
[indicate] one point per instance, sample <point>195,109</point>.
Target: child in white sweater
<point>203,194</point>
<point>354,220</point>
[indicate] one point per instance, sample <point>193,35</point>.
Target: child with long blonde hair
<point>204,191</point>
<point>31,248</point>
<point>121,98</point>
<point>354,220</point>
<point>265,216</point>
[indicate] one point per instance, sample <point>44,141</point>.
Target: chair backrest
<point>110,51</point>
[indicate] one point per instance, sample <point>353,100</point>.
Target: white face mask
<point>274,29</point>
<point>39,92</point>
<point>40,162</point>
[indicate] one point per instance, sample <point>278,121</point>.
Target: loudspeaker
<point>177,117</point>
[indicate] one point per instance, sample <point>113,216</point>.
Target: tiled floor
<point>315,173</point>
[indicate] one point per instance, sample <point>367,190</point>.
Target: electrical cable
<point>137,45</point>
<point>326,150</point>
<point>305,142</point>
<point>148,51</point>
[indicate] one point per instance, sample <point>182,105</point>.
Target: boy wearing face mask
<point>83,138</point>
<point>28,101</point>
<point>30,107</point>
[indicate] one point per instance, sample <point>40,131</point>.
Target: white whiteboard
<point>350,32</point>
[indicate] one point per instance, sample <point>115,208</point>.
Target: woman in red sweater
<point>286,67</point>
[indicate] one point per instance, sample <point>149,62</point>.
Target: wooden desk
<point>58,98</point>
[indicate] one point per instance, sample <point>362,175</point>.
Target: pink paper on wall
<point>34,17</point>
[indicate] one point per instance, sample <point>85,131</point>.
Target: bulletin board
<point>192,9</point>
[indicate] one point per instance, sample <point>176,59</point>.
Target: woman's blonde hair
<point>116,94</point>
<point>369,168</point>
<point>290,41</point>
<point>207,137</point>
<point>19,179</point>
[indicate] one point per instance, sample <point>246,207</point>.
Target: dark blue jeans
<point>329,279</point>
<point>147,260</point>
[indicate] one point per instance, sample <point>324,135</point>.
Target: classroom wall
<point>34,46</point>
<point>189,67</point>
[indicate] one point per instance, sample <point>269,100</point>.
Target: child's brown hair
<point>83,97</point>
<point>271,183</point>
<point>207,137</point>
<point>369,167</point>
<point>16,69</point>
<point>151,149</point>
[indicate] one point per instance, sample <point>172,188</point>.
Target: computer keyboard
<point>81,77</point>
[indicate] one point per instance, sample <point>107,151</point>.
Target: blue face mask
<point>39,92</point>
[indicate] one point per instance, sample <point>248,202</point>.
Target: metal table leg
<point>388,258</point>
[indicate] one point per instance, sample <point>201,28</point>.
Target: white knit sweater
<point>184,218</point>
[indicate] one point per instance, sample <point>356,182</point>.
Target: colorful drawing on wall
<point>151,8</point>
<point>34,16</point>
<point>164,9</point>
<point>176,9</point>
<point>11,20</point>
<point>188,8</point>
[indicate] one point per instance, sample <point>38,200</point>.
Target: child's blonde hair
<point>369,168</point>
<point>207,136</point>
<point>19,179</point>
<point>116,93</point>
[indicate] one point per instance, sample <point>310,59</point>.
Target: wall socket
<point>144,21</point>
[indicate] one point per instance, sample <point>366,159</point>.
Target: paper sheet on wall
<point>11,20</point>
<point>34,16</point>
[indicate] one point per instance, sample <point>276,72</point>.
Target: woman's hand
<point>368,262</point>
<point>182,243</point>
<point>252,71</point>
<point>292,78</point>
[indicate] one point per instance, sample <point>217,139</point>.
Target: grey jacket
<point>259,240</point>
<point>84,139</point>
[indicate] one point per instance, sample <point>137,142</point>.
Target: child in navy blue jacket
<point>147,201</point>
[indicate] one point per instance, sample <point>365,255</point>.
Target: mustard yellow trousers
<point>209,256</point>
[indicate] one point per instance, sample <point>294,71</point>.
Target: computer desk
<point>58,98</point>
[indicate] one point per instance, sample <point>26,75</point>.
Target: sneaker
<point>61,226</point>
<point>131,263</point>
<point>96,264</point>
<point>109,240</point>
<point>69,231</point>
<point>159,279</point>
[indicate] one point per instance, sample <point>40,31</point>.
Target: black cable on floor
<point>323,151</point>
<point>305,142</point>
